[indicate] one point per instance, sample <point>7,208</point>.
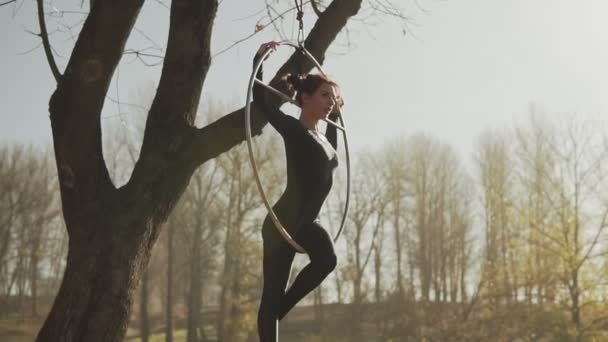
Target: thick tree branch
<point>75,106</point>
<point>170,121</point>
<point>45,42</point>
<point>229,131</point>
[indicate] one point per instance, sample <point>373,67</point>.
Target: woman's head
<point>315,94</point>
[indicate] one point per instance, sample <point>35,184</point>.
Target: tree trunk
<point>34,260</point>
<point>398,248</point>
<point>169,312</point>
<point>378,273</point>
<point>95,297</point>
<point>21,277</point>
<point>195,294</point>
<point>224,283</point>
<point>339,288</point>
<point>318,307</point>
<point>574,298</point>
<point>144,318</point>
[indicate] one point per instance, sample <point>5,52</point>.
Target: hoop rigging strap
<point>340,126</point>
<point>300,19</point>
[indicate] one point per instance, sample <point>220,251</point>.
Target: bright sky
<point>469,65</point>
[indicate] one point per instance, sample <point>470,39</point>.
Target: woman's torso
<point>311,161</point>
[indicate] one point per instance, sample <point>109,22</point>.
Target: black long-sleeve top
<point>311,161</point>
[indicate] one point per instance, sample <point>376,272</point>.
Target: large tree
<point>112,230</point>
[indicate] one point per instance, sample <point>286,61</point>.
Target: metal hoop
<point>273,216</point>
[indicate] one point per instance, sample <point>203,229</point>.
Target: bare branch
<point>595,239</point>
<point>269,8</point>
<point>422,9</point>
<point>8,2</point>
<point>45,42</point>
<point>162,4</point>
<point>386,7</point>
<point>315,8</point>
<point>139,54</point>
<point>29,50</point>
<point>115,101</point>
<point>55,13</point>
<point>143,34</point>
<point>251,15</point>
<point>258,29</point>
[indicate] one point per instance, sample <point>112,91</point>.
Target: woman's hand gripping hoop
<point>287,98</point>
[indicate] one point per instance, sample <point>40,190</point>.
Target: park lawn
<point>26,332</point>
<point>18,332</point>
<point>158,335</point>
<point>178,336</point>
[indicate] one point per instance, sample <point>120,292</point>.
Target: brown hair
<point>308,83</point>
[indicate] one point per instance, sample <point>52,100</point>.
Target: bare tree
<point>580,212</point>
<point>395,173</point>
<point>28,208</point>
<point>367,215</point>
<point>496,176</point>
<point>43,211</point>
<point>535,162</point>
<point>242,208</point>
<point>421,154</point>
<point>11,204</point>
<point>200,217</point>
<point>113,229</point>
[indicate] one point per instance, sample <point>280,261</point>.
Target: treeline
<point>506,244</point>
<point>33,242</point>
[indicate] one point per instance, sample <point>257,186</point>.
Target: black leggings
<point>278,257</point>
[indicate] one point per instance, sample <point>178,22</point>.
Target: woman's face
<point>321,102</point>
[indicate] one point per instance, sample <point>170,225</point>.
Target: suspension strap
<point>300,18</point>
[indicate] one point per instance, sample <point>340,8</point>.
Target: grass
<point>178,336</point>
<point>158,334</point>
<point>11,331</point>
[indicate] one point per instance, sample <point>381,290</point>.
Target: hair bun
<point>295,81</point>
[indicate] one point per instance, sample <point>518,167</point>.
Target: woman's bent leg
<point>320,248</point>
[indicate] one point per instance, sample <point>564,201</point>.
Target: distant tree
<point>580,216</point>
<point>395,173</point>
<point>535,162</point>
<point>367,215</point>
<point>496,177</point>
<point>28,208</point>
<point>199,216</point>
<point>242,212</point>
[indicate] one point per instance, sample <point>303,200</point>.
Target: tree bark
<point>195,291</point>
<point>169,308</point>
<point>143,311</point>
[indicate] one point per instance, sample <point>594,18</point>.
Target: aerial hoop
<point>287,98</point>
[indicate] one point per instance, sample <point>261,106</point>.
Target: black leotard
<point>311,161</point>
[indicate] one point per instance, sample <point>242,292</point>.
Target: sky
<point>465,66</point>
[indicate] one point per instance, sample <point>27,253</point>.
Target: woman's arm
<point>278,119</point>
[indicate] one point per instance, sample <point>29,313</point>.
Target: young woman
<point>311,161</point>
